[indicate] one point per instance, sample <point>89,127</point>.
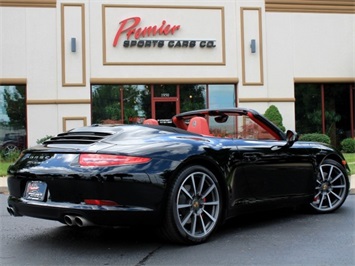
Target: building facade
<point>69,63</point>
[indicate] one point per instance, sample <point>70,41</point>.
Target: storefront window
<point>308,108</point>
<point>192,97</point>
<point>222,96</point>
<point>12,119</point>
<point>165,90</point>
<point>116,104</point>
<point>325,108</point>
<point>130,104</point>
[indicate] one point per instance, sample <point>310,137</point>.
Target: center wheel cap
<point>325,186</point>
<point>197,205</point>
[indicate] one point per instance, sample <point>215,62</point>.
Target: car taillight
<point>90,159</point>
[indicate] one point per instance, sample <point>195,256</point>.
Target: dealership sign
<point>149,37</point>
<point>130,28</point>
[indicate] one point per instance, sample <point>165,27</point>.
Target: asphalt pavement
<point>3,185</point>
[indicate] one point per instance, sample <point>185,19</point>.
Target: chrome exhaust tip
<point>81,222</point>
<point>11,211</point>
<point>69,220</point>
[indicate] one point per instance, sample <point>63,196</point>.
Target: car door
<point>273,172</point>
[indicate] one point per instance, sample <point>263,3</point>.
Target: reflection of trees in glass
<point>146,101</point>
<point>14,101</point>
<point>308,104</point>
<point>106,103</point>
<point>337,110</point>
<point>192,97</point>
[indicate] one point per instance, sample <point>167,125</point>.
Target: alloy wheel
<point>331,189</point>
<point>198,205</point>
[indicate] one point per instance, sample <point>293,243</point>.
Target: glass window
<point>337,112</point>
<point>116,104</point>
<point>240,127</point>
<point>12,118</point>
<point>336,119</point>
<point>220,96</point>
<point>165,90</point>
<point>308,108</point>
<point>192,97</point>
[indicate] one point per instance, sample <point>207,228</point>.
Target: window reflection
<point>130,104</point>
<point>12,118</point>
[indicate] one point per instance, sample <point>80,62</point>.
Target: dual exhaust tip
<point>79,221</point>
<point>70,220</point>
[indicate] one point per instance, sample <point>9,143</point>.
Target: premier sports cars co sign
<point>130,28</point>
<point>163,35</point>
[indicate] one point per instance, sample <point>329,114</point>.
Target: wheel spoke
<point>336,195</point>
<point>339,186</point>
<point>186,192</point>
<point>317,195</point>
<point>193,184</point>
<point>211,203</point>
<point>203,225</point>
<point>200,186</point>
<point>336,178</point>
<point>187,218</point>
<point>194,221</point>
<point>209,216</point>
<point>322,174</point>
<point>321,201</point>
<point>182,206</point>
<point>330,172</point>
<point>208,191</point>
<point>329,201</point>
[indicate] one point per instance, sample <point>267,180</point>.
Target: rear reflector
<point>89,159</point>
<point>100,202</point>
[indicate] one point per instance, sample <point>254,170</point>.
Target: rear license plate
<point>35,190</point>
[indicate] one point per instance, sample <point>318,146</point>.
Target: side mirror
<point>291,137</point>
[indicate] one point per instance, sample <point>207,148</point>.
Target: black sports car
<point>186,179</point>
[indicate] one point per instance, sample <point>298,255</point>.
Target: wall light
<point>253,46</point>
<point>73,45</point>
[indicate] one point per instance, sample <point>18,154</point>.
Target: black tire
<point>332,187</point>
<point>193,207</point>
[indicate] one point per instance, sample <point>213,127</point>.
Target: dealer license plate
<point>35,190</point>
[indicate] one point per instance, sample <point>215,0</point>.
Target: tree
<point>273,114</point>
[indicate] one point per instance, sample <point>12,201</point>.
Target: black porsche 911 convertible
<point>187,179</point>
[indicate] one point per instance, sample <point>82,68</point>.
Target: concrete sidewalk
<point>3,185</point>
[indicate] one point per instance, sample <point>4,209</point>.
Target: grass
<point>3,167</point>
<point>350,158</point>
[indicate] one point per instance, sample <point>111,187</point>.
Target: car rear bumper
<point>89,214</point>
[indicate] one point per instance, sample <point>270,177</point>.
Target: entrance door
<point>164,111</point>
<point>165,103</point>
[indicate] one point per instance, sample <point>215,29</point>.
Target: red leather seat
<point>150,121</point>
<point>199,125</point>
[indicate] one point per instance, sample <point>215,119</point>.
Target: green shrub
<point>317,137</point>
<point>273,114</point>
<point>348,145</point>
<point>40,141</point>
<point>9,156</point>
